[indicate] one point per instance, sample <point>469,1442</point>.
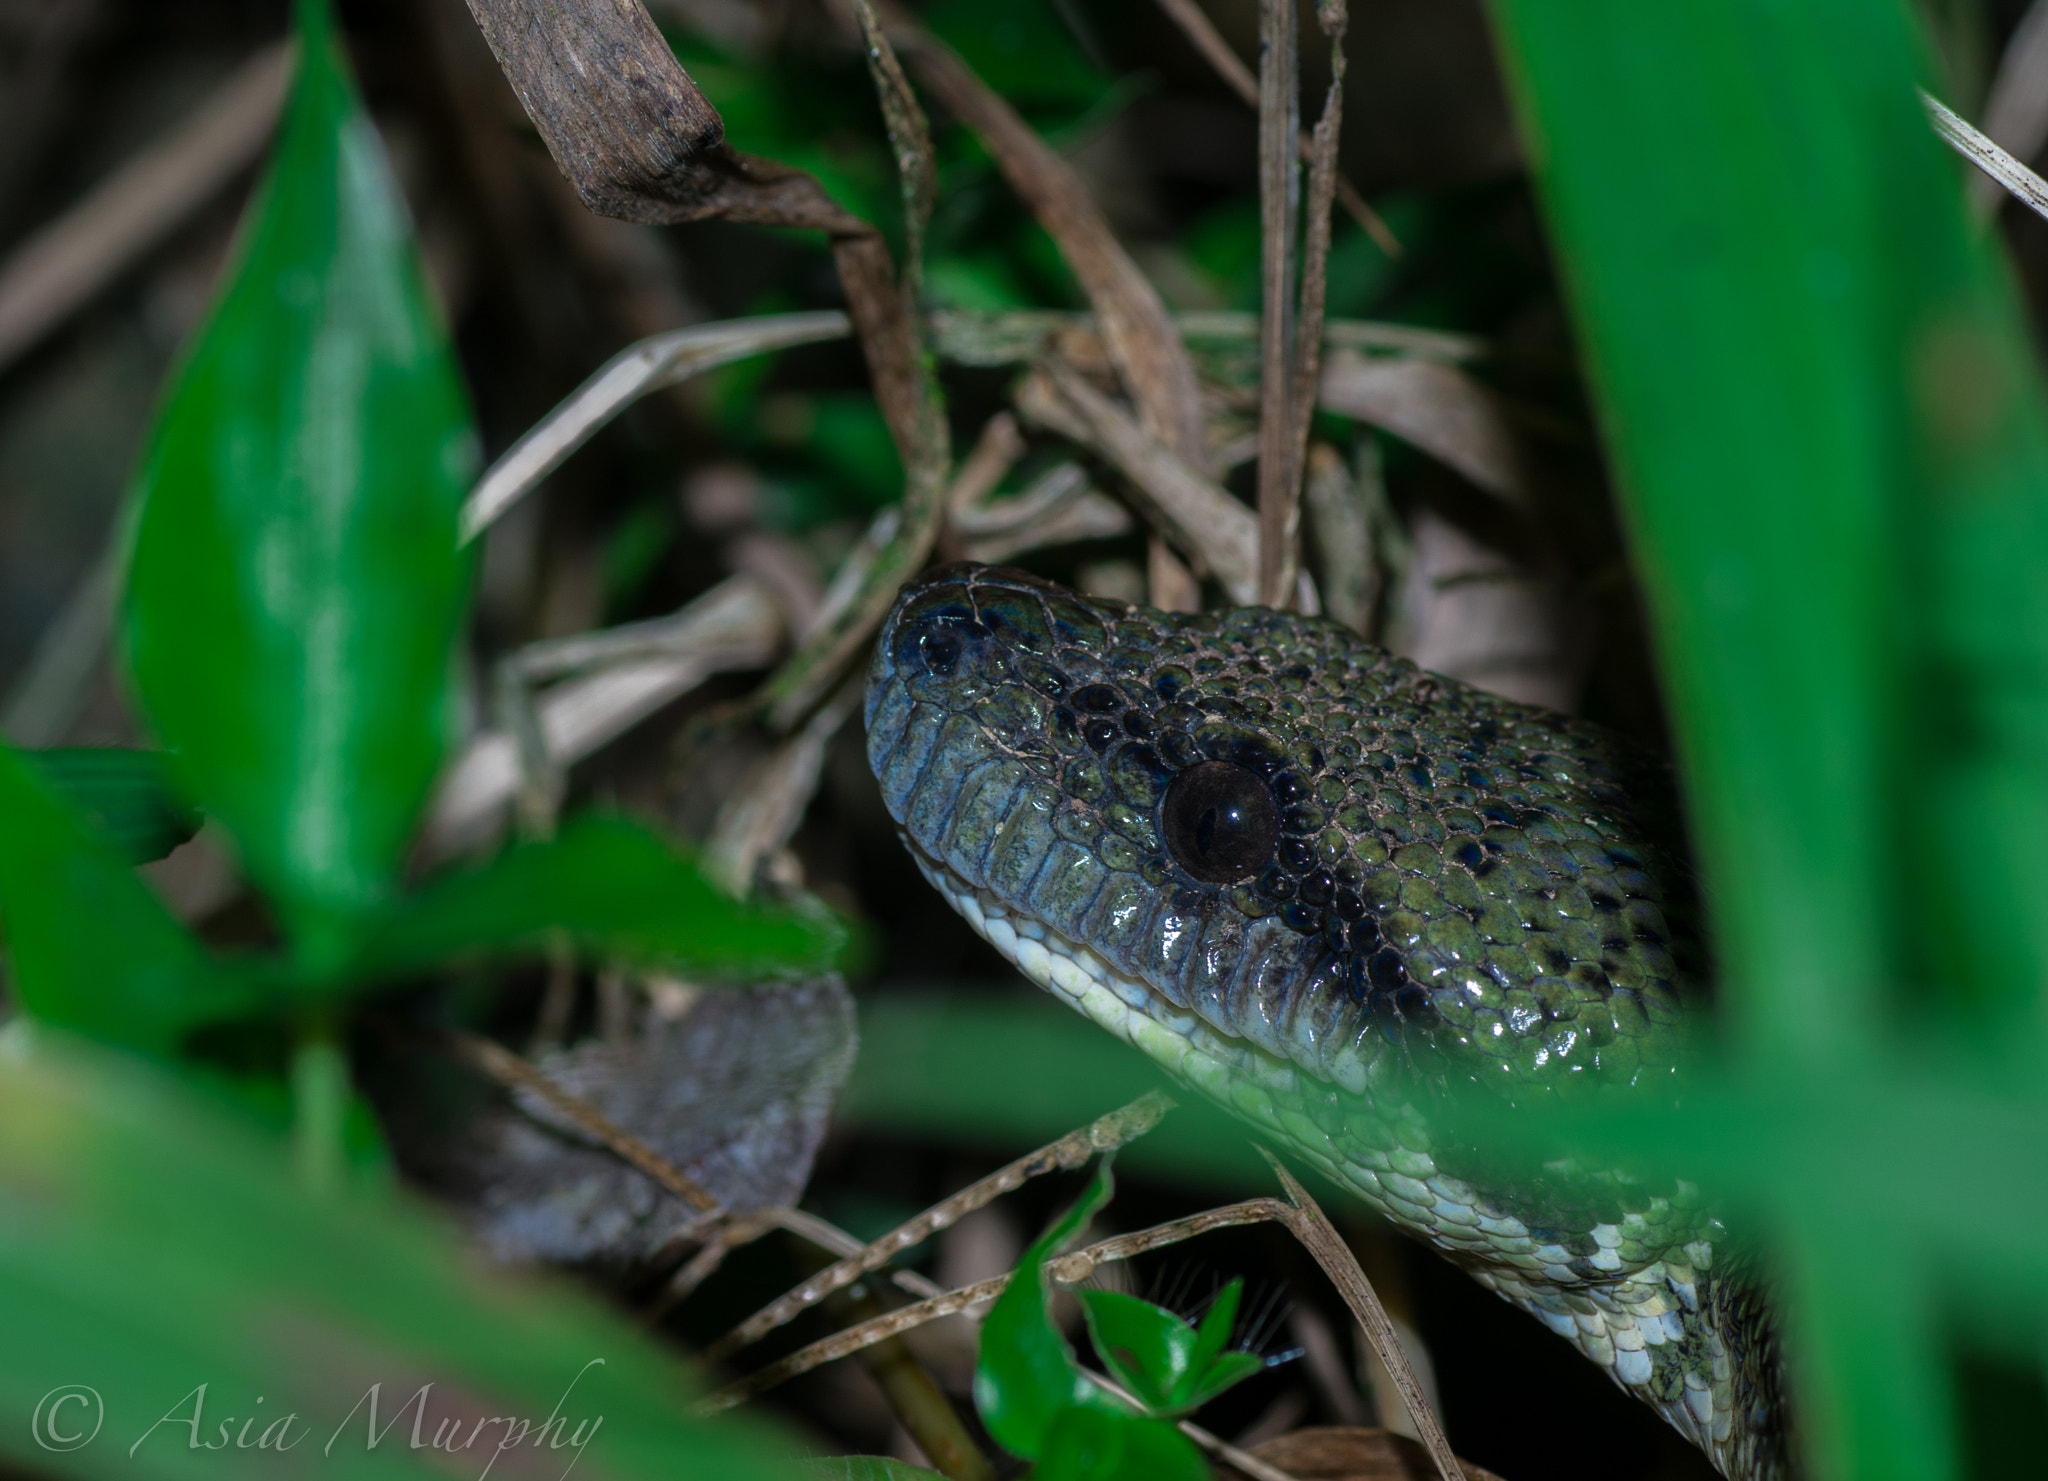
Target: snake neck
<point>1685,1333</point>
<point>1329,890</point>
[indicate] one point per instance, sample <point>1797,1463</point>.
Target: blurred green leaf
<point>1096,1445</point>
<point>1170,1367</point>
<point>849,437</point>
<point>251,1296</point>
<point>1026,1376</point>
<point>88,946</point>
<point>128,797</point>
<point>1016,1071</point>
<point>1827,429</point>
<point>295,589</point>
<point>1145,1347</point>
<point>612,887</point>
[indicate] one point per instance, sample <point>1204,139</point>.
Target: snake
<point>1329,890</point>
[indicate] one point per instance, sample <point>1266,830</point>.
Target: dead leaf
<point>736,1093</point>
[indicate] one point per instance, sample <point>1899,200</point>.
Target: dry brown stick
<point>2016,108</point>
<point>1279,215</point>
<point>2025,186</point>
<point>1207,40</point>
<point>919,422</point>
<point>508,1069</point>
<point>1137,330</point>
<point>65,263</point>
<point>1319,1237</point>
<point>1069,1152</point>
<point>1197,514</point>
<point>995,453</point>
<point>1308,343</point>
<point>927,1414</point>
<point>1067,1269</point>
<point>632,133</point>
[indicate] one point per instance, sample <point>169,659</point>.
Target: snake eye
<point>1219,822</point>
<point>940,650</point>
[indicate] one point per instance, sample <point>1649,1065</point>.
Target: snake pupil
<point>1219,822</point>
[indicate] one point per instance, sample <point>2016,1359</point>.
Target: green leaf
<point>88,946</point>
<point>128,797</point>
<point>254,1304</point>
<point>615,889</point>
<point>1145,1347</point>
<point>1026,1375</point>
<point>1098,1445</point>
<point>1167,1365</point>
<point>1211,1370</point>
<point>1217,1323</point>
<point>295,590</point>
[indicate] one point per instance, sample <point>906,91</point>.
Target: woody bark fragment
<point>638,140</point>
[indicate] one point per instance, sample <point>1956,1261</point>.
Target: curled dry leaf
<point>619,678</point>
<point>1468,611</point>
<point>735,1093</point>
<point>1437,407</point>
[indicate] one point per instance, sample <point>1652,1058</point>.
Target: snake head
<point>1251,835</point>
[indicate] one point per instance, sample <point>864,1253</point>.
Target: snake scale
<point>1322,886</point>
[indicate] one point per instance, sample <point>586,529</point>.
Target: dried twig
<point>1322,177</point>
<point>2016,108</point>
<point>1279,217</point>
<point>1070,1151</point>
<point>1201,31</point>
<point>922,436</point>
<point>1142,343</point>
<point>1025,335</point>
<point>664,360</point>
<point>2027,187</point>
<point>1067,1269</point>
<point>63,265</point>
<point>1299,1212</point>
<point>1319,1237</point>
<point>761,817</point>
<point>1199,516</point>
<point>995,453</point>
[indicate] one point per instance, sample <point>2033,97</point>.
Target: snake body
<point>1322,886</point>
